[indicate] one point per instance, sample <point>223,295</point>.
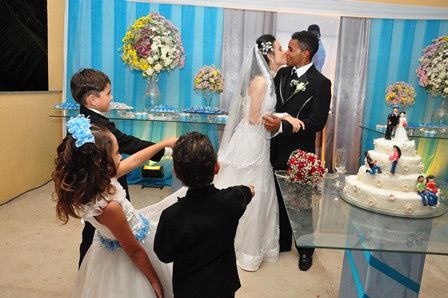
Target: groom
<point>304,93</point>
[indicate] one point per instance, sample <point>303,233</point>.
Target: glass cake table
<point>383,254</point>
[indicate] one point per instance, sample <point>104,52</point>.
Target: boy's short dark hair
<point>307,41</point>
<point>87,81</point>
<point>194,160</point>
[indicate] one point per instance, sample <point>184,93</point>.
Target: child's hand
<point>252,190</point>
<point>170,142</point>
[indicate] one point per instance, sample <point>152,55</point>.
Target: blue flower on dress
<point>79,128</point>
<point>140,235</point>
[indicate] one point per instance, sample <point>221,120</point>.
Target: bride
<point>244,155</point>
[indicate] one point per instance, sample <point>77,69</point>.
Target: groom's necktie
<point>292,76</point>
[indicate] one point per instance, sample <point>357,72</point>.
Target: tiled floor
<point>39,256</point>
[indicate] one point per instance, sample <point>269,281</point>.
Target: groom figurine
<point>303,92</point>
<point>392,122</point>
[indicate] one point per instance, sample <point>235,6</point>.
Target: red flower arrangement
<point>305,168</point>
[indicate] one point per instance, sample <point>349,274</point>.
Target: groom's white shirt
<point>300,71</point>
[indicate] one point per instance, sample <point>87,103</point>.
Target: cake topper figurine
<point>394,157</point>
<point>400,131</point>
<point>431,190</point>
<point>372,164</point>
<point>392,121</point>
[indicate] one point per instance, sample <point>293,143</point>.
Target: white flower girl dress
<point>107,271</point>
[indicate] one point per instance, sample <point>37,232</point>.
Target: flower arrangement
<point>208,79</point>
<point>153,44</point>
<point>400,93</point>
<point>305,168</point>
<point>433,69</point>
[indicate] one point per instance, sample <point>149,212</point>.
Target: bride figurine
<point>400,132</point>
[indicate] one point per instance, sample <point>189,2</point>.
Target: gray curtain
<point>343,129</point>
<point>241,29</point>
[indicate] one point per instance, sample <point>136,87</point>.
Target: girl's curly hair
<point>82,174</point>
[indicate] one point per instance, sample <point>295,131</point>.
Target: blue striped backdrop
<point>95,30</point>
<point>395,47</point>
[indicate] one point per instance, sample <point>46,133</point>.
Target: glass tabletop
<point>195,118</point>
<point>320,218</point>
<point>418,132</point>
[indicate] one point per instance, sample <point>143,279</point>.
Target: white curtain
<point>241,29</point>
<point>349,91</point>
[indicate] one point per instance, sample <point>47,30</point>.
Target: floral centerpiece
<point>208,79</point>
<point>153,44</point>
<point>400,93</point>
<point>305,168</point>
<point>433,69</point>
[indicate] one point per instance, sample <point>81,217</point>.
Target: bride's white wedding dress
<point>400,131</point>
<point>245,160</point>
<point>244,157</point>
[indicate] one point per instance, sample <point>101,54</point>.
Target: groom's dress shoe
<point>305,262</point>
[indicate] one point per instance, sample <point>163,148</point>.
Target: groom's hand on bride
<point>271,122</point>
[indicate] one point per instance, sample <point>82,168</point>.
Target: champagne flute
<point>340,162</point>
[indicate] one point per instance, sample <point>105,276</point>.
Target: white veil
<point>254,65</point>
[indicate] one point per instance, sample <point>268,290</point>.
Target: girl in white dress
<point>120,262</point>
<point>400,131</point>
<point>244,154</point>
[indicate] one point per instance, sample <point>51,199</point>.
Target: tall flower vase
<point>207,97</point>
<point>440,116</point>
<point>152,93</point>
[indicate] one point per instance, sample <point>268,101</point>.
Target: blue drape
<point>395,47</point>
<point>95,30</point>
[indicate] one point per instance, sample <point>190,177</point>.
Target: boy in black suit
<point>197,233</point>
<point>91,88</point>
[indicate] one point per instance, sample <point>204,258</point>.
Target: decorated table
<point>383,254</point>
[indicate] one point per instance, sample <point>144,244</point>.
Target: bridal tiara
<point>266,47</point>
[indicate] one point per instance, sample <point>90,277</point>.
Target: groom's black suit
<point>311,106</point>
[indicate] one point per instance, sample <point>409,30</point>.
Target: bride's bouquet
<point>305,168</point>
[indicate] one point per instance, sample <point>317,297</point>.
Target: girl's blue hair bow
<point>79,128</point>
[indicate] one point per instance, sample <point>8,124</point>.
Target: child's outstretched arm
<point>114,218</point>
<point>136,159</point>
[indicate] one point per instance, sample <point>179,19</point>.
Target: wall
<point>439,3</point>
<point>29,137</point>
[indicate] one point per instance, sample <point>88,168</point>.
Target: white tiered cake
<point>386,193</point>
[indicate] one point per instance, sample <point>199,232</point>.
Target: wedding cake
<point>383,192</point>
